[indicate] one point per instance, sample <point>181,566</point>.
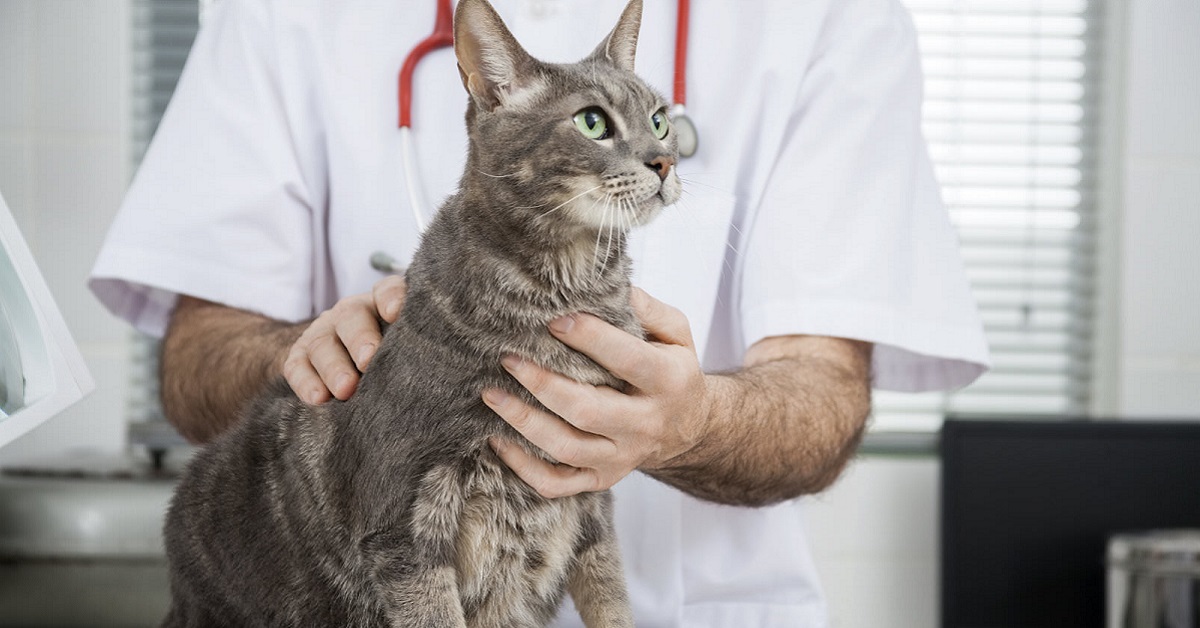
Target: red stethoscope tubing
<point>681,51</point>
<point>443,36</point>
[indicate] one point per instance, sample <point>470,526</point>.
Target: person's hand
<point>337,346</point>
<point>598,434</point>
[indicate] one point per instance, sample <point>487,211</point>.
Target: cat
<point>390,508</point>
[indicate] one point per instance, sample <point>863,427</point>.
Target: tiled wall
<point>63,169</point>
<point>1160,267</point>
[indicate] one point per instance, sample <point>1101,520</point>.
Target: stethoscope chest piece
<point>685,131</point>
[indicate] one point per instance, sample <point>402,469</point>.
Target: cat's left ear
<point>493,66</point>
<point>620,47</point>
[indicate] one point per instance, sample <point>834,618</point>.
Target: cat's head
<point>588,143</point>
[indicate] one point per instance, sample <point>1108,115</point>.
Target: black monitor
<point>1028,506</point>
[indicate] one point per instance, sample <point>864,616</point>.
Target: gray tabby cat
<point>390,509</point>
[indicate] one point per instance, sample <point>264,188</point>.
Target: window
<point>1012,89</point>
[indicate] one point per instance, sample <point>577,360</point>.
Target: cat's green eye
<point>660,123</point>
<point>592,123</point>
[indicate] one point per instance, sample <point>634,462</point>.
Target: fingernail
<point>365,354</point>
<point>562,325</point>
<point>496,443</point>
<point>511,362</point>
<point>344,381</point>
<point>391,309</point>
<point>495,397</point>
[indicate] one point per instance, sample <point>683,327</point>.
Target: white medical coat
<point>810,208</point>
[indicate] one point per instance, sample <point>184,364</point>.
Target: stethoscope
<point>443,37</point>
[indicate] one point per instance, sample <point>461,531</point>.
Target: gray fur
<point>390,509</point>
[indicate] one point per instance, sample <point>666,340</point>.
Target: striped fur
<point>390,509</point>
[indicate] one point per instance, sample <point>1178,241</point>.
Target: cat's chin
<point>670,191</point>
<point>623,216</point>
<point>626,213</point>
<point>649,209</point>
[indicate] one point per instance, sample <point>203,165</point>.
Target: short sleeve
<point>851,238</point>
<point>219,208</point>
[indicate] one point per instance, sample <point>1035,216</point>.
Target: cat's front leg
<point>427,599</point>
<point>597,581</point>
<point>413,562</point>
<point>415,582</point>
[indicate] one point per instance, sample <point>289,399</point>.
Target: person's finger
<point>662,322</point>
<point>303,378</point>
<point>628,357</point>
<point>332,363</point>
<point>358,331</point>
<point>558,438</point>
<point>388,294</point>
<point>549,480</point>
<point>579,404</point>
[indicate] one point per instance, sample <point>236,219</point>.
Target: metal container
<point>1154,580</point>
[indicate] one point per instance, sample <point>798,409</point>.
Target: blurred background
<point>1067,138</point>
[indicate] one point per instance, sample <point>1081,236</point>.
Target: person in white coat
<point>810,260</point>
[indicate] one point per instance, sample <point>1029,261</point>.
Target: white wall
<point>874,538</point>
<point>63,170</point>
<point>875,533</point>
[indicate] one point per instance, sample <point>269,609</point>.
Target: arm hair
<point>784,425</point>
<point>214,359</point>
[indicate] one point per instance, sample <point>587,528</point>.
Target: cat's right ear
<point>494,67</point>
<point>620,47</point>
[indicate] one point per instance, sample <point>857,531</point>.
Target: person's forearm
<point>214,359</point>
<point>779,429</point>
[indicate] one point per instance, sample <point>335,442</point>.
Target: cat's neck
<point>565,256</point>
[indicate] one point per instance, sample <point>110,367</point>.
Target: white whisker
<point>690,182</point>
<point>599,233</point>
<point>496,176</point>
<point>608,245</point>
<point>688,194</point>
<point>564,203</point>
<point>594,204</point>
<point>680,205</point>
<point>627,220</point>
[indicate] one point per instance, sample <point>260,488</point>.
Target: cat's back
<point>255,518</point>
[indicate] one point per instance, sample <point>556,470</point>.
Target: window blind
<point>162,33</point>
<point>1010,114</point>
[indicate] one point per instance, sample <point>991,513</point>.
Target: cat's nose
<point>661,165</point>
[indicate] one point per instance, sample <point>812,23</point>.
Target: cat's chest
<point>553,354</point>
<point>512,549</point>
